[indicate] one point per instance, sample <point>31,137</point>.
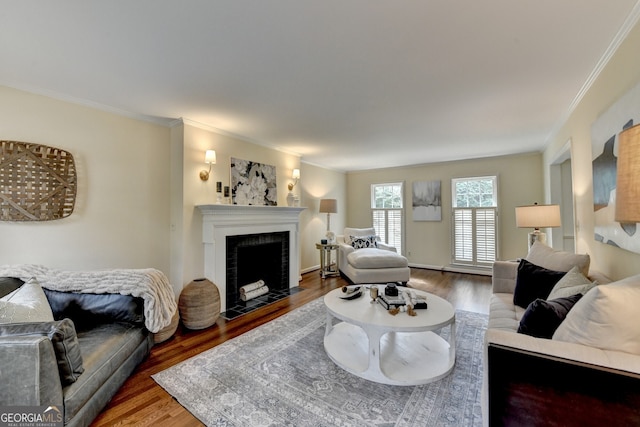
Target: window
<point>475,212</point>
<point>387,213</point>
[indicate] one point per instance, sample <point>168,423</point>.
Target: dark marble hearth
<point>246,307</point>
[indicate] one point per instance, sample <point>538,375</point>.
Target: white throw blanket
<point>149,284</point>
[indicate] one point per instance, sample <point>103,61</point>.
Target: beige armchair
<point>364,259</point>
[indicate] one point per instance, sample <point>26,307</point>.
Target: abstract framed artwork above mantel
<point>37,182</point>
<point>604,140</point>
<point>253,183</point>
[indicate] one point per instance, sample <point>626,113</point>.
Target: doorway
<point>561,183</point>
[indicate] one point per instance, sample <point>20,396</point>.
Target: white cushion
<point>503,313</point>
<point>606,317</point>
<point>571,283</point>
<point>28,303</point>
<point>376,258</point>
<point>357,232</point>
<point>551,259</point>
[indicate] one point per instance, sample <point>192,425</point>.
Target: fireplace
<point>251,224</point>
<point>254,257</point>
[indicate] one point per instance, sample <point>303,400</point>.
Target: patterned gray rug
<point>279,375</point>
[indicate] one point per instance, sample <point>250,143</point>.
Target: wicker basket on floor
<point>199,304</point>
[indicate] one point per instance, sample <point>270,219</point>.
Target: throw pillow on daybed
<point>359,242</point>
<point>28,303</point>
<point>606,317</point>
<point>533,282</point>
<point>542,318</point>
<point>574,282</point>
<point>63,336</point>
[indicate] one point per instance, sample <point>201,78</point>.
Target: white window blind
<point>388,226</point>
<point>474,236</point>
<point>463,235</point>
<point>380,223</point>
<point>387,213</point>
<point>485,238</point>
<point>475,216</point>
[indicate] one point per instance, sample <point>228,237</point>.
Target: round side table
<point>327,266</point>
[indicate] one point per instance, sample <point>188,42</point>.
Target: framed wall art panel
<point>604,140</point>
<point>253,183</point>
<point>427,201</point>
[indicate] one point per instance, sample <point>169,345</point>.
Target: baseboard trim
<point>310,269</point>
<point>454,269</point>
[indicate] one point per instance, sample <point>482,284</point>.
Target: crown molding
<point>213,129</point>
<point>162,121</point>
<point>621,35</point>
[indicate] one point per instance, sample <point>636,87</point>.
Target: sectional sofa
<point>71,351</point>
<point>571,356</point>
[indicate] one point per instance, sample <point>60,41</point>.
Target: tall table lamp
<point>537,216</point>
<point>328,206</point>
<point>628,176</point>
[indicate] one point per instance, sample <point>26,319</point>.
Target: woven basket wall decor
<point>37,182</point>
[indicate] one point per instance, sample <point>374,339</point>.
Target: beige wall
<point>315,183</point>
<point>121,218</point>
<point>619,76</point>
<point>428,244</point>
<point>198,139</point>
<point>195,139</point>
<point>319,183</point>
<point>138,186</point>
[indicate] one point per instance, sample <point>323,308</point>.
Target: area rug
<point>279,375</point>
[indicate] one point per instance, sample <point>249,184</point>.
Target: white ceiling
<point>347,84</point>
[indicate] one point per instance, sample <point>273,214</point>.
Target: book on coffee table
<point>390,302</point>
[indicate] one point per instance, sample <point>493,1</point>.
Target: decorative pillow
<point>9,284</point>
<point>572,283</point>
<point>542,318</point>
<point>606,317</point>
<point>88,309</point>
<point>532,282</point>
<point>544,256</point>
<point>26,304</point>
<point>62,334</point>
<point>357,232</point>
<point>363,242</point>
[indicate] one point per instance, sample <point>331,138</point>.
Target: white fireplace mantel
<point>220,221</point>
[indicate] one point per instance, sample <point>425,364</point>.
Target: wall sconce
<point>291,197</point>
<point>210,158</point>
<point>537,216</point>
<point>628,176</point>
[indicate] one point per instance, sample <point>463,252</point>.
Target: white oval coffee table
<point>398,350</point>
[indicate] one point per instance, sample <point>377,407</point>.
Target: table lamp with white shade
<point>328,206</point>
<point>537,216</point>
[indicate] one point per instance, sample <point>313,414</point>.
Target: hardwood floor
<point>140,401</point>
